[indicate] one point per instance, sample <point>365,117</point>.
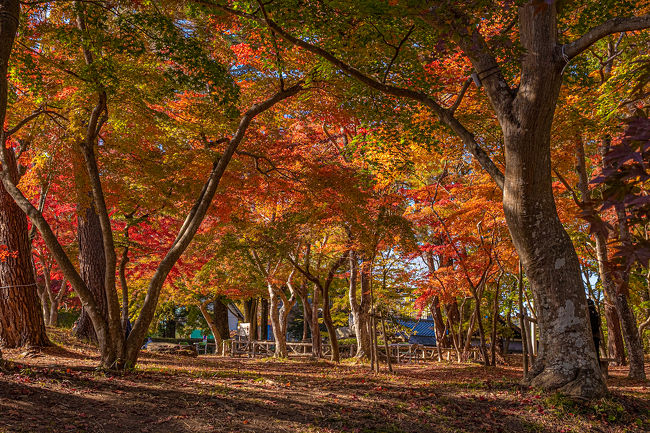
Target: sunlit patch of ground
<point>59,390</point>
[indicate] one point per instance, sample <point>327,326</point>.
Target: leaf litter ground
<point>59,390</point>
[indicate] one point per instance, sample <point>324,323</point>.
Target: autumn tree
<point>21,321</point>
<point>522,91</point>
<point>117,350</point>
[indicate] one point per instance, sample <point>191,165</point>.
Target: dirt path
<point>59,391</point>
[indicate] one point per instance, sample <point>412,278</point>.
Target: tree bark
<point>280,337</point>
<point>221,318</point>
<point>441,339</point>
<point>21,313</point>
<point>316,338</point>
<point>621,278</point>
<point>359,308</point>
<point>21,317</point>
<point>331,330</point>
<point>92,266</point>
<point>209,318</point>
<point>567,357</point>
<point>264,319</point>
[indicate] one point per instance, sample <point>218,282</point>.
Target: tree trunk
<point>359,308</point>
<point>221,318</point>
<point>316,347</point>
<point>92,266</point>
<point>250,313</point>
<point>615,344</point>
<point>453,316</point>
<point>43,295</point>
<point>495,317</point>
<point>567,356</point>
<point>306,314</point>
<point>264,319</point>
<point>442,340</point>
<point>477,292</point>
<point>331,330</point>
<point>21,317</point>
<point>628,320</point>
<point>124,284</point>
<point>209,318</point>
<point>631,337</point>
<point>21,314</point>
<point>280,338</point>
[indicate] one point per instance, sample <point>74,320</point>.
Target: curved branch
<point>197,214</point>
<point>445,116</point>
<point>615,25</point>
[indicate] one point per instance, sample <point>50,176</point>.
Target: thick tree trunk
<point>21,314</point>
<point>92,267</point>
<point>567,357</point>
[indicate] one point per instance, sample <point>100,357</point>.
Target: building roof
<point>420,328</point>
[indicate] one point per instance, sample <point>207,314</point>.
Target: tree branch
<point>397,49</point>
<point>197,214</point>
<point>26,120</point>
<point>459,99</point>
<point>445,116</point>
<point>615,25</point>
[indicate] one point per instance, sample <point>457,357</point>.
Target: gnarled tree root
<point>585,384</point>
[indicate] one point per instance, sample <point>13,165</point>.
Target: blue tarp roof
<point>421,331</point>
<point>423,328</point>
